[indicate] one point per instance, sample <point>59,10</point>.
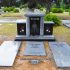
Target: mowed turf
<point>62,34</point>
<point>8,29</point>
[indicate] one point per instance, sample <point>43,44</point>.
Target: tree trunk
<point>48,7</point>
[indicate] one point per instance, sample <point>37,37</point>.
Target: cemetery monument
<point>34,28</point>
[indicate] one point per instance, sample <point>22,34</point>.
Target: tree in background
<point>58,3</point>
<point>62,3</point>
<point>67,3</point>
<point>34,3</point>
<point>47,4</point>
<point>10,2</point>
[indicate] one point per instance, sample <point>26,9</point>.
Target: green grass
<point>62,33</point>
<point>12,15</point>
<point>8,29</point>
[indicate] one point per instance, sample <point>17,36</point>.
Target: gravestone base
<point>35,38</point>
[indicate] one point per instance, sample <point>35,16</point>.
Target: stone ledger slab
<point>61,53</point>
<point>8,52</point>
<point>35,48</point>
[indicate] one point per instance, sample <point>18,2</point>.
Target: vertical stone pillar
<point>28,27</point>
<point>33,14</point>
<point>41,26</point>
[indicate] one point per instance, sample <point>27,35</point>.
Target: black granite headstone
<point>21,29</point>
<point>34,25</point>
<point>48,28</point>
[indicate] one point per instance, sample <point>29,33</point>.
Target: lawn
<point>8,31</point>
<point>12,15</point>
<point>62,33</point>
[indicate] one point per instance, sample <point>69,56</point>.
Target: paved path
<point>11,20</point>
<point>7,20</point>
<point>66,23</point>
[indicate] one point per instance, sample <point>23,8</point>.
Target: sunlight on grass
<point>12,15</point>
<point>62,33</point>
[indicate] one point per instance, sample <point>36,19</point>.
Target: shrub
<point>66,10</point>
<point>57,10</point>
<point>23,6</point>
<point>8,9</point>
<point>15,10</point>
<point>54,18</point>
<point>39,6</point>
<point>41,9</point>
<point>5,9</point>
<point>67,6</point>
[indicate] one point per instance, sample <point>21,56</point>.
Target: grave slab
<point>61,53</point>
<point>35,48</point>
<point>8,52</point>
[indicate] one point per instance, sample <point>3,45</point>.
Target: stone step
<point>35,38</point>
